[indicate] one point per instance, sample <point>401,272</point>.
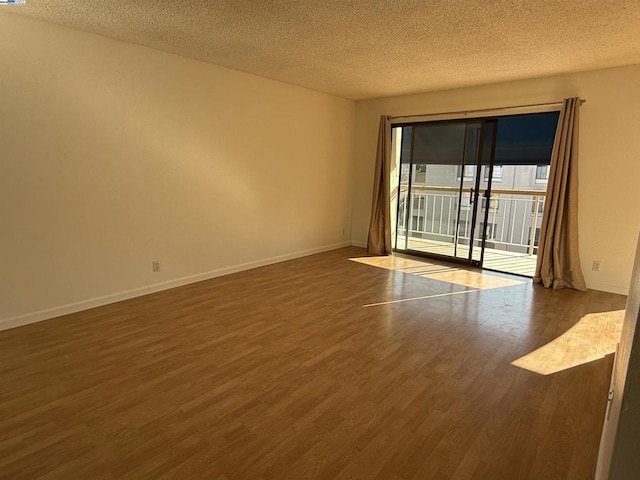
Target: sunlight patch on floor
<point>478,280</point>
<point>457,276</point>
<point>592,338</point>
<point>401,264</point>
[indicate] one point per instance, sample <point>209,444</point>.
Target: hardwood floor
<point>282,372</point>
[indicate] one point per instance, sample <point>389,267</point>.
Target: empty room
<point>340,240</point>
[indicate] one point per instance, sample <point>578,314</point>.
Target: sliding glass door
<point>472,190</point>
<point>438,170</point>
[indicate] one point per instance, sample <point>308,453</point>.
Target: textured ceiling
<point>369,48</point>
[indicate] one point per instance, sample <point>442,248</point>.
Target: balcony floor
<point>500,260</point>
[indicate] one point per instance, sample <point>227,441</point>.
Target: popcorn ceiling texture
<point>366,48</point>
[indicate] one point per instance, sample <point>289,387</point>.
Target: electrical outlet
<point>596,266</point>
<point>155,265</point>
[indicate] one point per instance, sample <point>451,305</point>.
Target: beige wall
<point>113,155</point>
<point>609,215</point>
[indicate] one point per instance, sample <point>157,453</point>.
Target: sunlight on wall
<point>593,337</point>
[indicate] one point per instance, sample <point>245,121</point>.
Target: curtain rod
<point>480,110</point>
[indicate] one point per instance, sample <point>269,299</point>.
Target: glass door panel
<point>437,154</point>
<point>438,180</point>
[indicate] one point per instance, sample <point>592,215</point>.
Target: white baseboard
<point>605,287</point>
<point>357,243</point>
<point>39,316</point>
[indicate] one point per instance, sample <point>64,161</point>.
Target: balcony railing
<point>512,225</point>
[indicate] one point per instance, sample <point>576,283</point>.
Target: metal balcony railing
<point>513,222</point>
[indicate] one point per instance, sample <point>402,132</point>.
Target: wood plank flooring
<point>282,373</point>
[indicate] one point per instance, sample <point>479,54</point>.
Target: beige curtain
<point>558,264</point>
<point>379,242</point>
